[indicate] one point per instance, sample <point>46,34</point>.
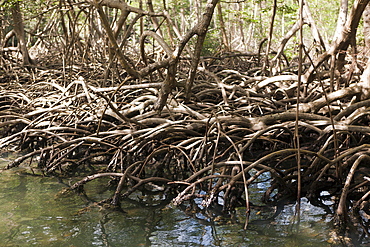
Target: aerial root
<point>228,139</point>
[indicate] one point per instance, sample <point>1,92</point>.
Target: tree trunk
<point>19,32</point>
<point>345,35</point>
<point>154,19</point>
<point>366,16</point>
<point>224,38</point>
<point>342,18</point>
<point>201,30</point>
<point>307,19</point>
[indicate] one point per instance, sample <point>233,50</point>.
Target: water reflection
<point>31,213</point>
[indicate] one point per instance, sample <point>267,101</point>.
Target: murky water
<point>31,214</point>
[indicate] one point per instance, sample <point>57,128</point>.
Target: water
<point>33,214</point>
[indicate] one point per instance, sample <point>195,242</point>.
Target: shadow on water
<point>31,214</point>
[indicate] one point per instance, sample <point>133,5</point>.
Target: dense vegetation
<point>194,100</point>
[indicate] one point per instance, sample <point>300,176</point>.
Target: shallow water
<point>32,214</point>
